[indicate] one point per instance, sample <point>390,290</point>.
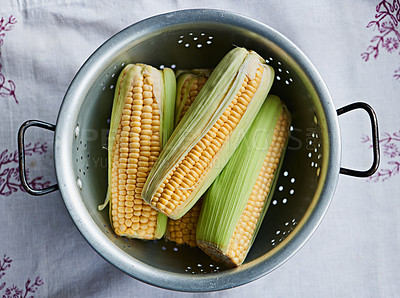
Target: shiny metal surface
<point>375,139</point>
<point>189,39</point>
<point>21,157</point>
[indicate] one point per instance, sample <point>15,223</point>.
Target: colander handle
<point>375,139</point>
<point>21,155</point>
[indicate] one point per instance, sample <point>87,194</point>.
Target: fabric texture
<point>354,45</point>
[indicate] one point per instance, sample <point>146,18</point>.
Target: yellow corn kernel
<point>189,84</point>
<point>183,230</point>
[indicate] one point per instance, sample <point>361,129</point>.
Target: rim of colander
<point>64,136</point>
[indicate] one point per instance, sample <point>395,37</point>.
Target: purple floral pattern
<point>9,169</point>
<point>390,148</point>
<point>386,23</point>
<point>397,74</point>
<point>6,26</point>
<point>13,291</point>
<point>7,87</point>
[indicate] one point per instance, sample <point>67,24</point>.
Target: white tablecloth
<point>355,45</point>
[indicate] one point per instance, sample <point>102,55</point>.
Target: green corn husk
<point>168,124</point>
<point>211,102</point>
<point>227,205</point>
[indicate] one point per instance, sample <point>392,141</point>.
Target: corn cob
<point>208,134</point>
<point>183,230</point>
<point>189,84</point>
<point>140,125</point>
<point>235,204</point>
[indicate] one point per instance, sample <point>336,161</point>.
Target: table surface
<point>355,45</point>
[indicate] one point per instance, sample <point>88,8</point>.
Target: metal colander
<point>184,40</point>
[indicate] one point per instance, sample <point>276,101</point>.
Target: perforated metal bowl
<point>183,40</point>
